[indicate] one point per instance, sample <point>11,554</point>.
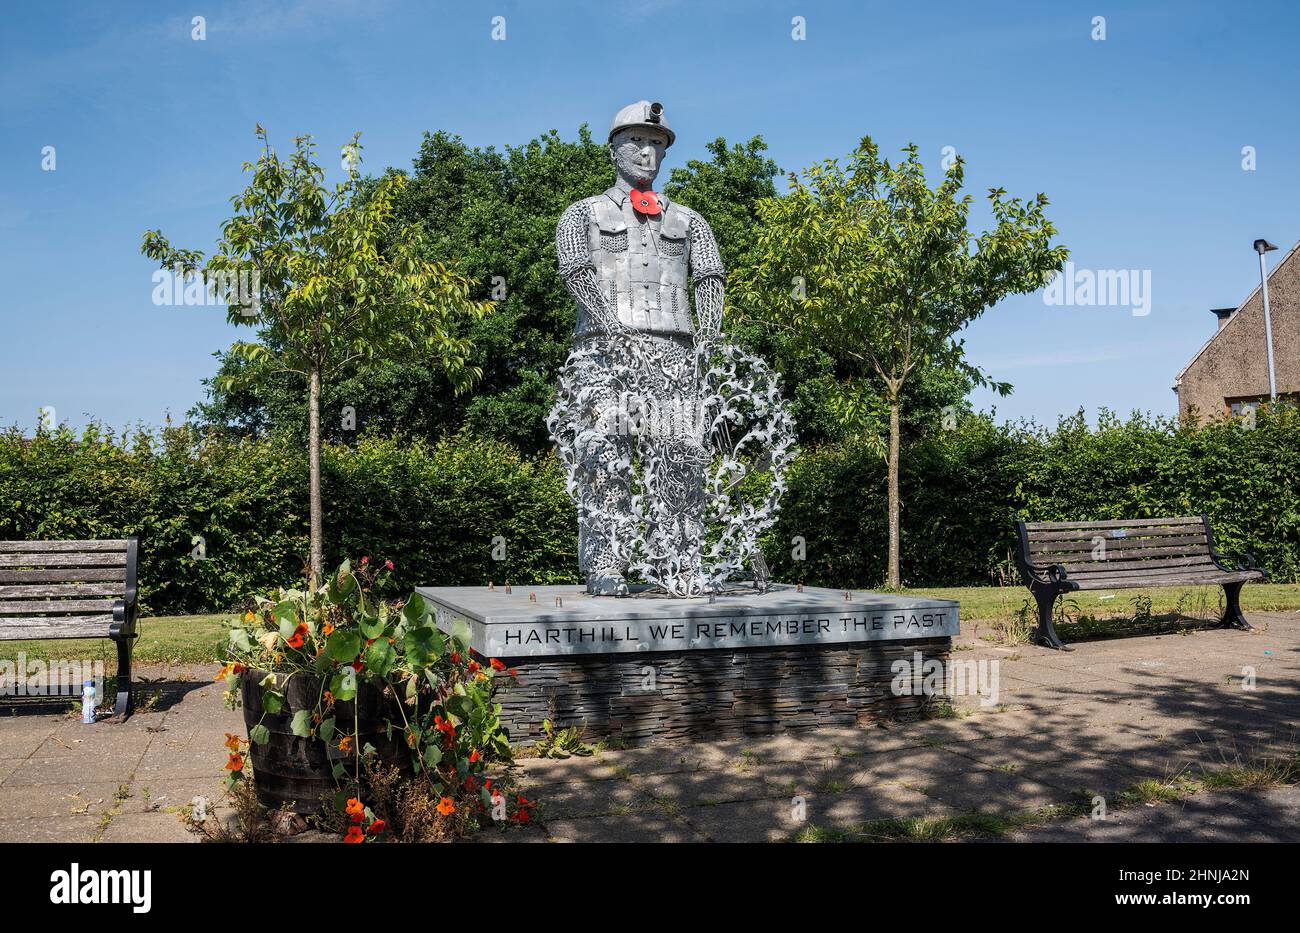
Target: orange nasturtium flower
<point>249,617</point>
<point>327,628</point>
<point>232,742</point>
<point>296,640</point>
<point>474,756</point>
<point>377,827</point>
<point>354,834</point>
<point>345,744</point>
<point>446,806</point>
<point>355,809</point>
<point>497,664</point>
<point>236,762</point>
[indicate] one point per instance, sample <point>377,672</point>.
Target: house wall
<point>1234,365</point>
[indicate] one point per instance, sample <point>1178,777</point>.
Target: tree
<point>878,269</point>
<point>495,211</point>
<point>330,284</point>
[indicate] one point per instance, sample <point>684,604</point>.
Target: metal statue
<point>657,420</point>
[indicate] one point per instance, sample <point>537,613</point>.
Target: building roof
<point>1182,372</point>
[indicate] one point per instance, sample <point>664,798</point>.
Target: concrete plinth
<point>651,668</point>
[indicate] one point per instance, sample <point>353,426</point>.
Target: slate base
<point>699,695</point>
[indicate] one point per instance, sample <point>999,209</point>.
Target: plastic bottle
<point>88,701</point>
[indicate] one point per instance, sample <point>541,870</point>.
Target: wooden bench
<point>72,589</point>
<point>1063,557</point>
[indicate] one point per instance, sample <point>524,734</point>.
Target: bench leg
<point>124,706</point>
<point>1045,634</point>
<point>1232,614</point>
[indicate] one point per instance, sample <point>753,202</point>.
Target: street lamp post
<point>1262,247</point>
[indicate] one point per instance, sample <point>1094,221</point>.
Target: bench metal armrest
<point>124,615</point>
<point>1245,562</point>
<point>1053,575</point>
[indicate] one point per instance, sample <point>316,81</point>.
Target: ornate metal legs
<point>125,641</point>
<point>1232,614</point>
<point>1045,634</point>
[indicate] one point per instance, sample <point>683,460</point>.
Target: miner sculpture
<point>650,393</point>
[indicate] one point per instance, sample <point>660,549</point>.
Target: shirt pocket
<point>613,236</point>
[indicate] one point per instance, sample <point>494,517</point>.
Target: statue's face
<point>637,152</point>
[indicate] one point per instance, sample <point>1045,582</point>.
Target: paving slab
<point>635,827</point>
<point>21,802</point>
<point>74,828</point>
<point>1271,815</point>
<point>147,827</point>
<point>589,798</point>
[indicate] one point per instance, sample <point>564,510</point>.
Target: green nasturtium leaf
<point>373,627</point>
<point>302,723</point>
<point>272,701</point>
<point>380,657</point>
<point>259,734</point>
<point>344,646</point>
<point>344,685</point>
<point>327,728</point>
<point>415,609</point>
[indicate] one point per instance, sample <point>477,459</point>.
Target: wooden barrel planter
<point>297,772</point>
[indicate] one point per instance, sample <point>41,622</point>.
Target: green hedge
<point>435,509</point>
<point>963,489</point>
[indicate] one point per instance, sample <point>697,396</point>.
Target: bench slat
<point>1086,566</point>
<point>1113,523</point>
<point>37,547</point>
<point>1102,571</point>
<point>63,560</point>
<point>1116,550</point>
<point>63,575</point>
<point>22,629</point>
<point>1109,534</point>
<point>33,590</point>
<point>1128,581</point>
<point>1186,547</point>
<point>54,606</point>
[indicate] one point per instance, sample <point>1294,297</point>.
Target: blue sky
<point>1136,139</point>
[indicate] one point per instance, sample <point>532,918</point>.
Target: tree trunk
<point>892,578</point>
<point>313,462</point>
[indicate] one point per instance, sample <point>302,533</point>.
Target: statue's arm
<point>577,270</point>
<point>708,275</point>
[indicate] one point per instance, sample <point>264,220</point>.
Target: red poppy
<point>521,816</point>
<point>298,635</point>
<point>473,667</point>
<point>377,827</point>
<point>645,202</point>
<point>474,756</point>
<point>354,834</point>
<point>455,657</point>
